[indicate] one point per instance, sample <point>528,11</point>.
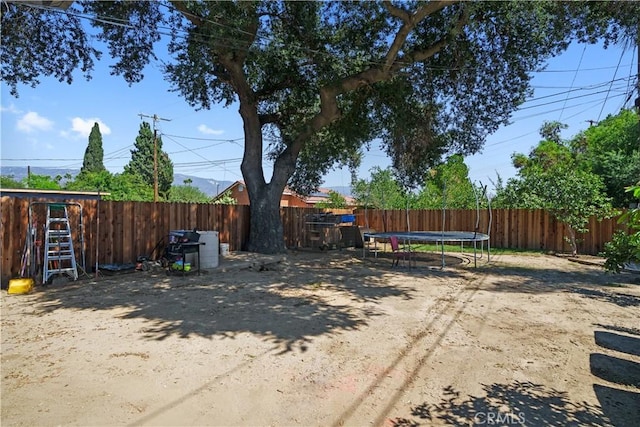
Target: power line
<point>193,149</point>
<point>211,162</point>
<point>614,76</point>
<point>504,141</point>
<point>40,160</point>
<point>204,139</point>
<point>232,42</point>
<point>121,22</point>
<point>200,38</point>
<point>573,81</point>
<point>557,109</point>
<point>631,87</point>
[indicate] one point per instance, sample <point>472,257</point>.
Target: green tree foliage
<point>8,181</point>
<point>42,182</point>
<point>94,154</point>
<point>27,53</point>
<point>141,162</point>
<point>612,150</point>
<point>550,131</point>
<point>552,178</point>
<point>91,181</point>
<point>129,187</point>
<point>334,200</point>
<point>122,187</point>
<point>225,199</point>
<point>317,81</point>
<point>448,184</point>
<point>624,248</point>
<point>382,191</point>
<point>187,194</point>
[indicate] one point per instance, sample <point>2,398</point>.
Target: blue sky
<point>48,126</point>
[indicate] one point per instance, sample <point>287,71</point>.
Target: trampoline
<point>433,236</point>
<point>439,237</point>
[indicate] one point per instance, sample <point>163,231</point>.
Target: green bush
<point>624,248</point>
<point>618,252</point>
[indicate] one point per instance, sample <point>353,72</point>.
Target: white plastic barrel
<point>224,249</point>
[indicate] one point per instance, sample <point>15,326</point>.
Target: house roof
<point>323,193</point>
<point>317,197</point>
<point>287,190</point>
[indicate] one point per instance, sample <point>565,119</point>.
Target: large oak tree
<point>315,82</point>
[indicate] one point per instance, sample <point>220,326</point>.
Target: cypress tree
<point>141,162</point>
<point>94,154</point>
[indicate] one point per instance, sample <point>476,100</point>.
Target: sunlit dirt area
<point>329,339</point>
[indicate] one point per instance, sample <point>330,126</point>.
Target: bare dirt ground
<point>329,339</point>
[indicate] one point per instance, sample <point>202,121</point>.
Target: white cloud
<point>10,109</point>
<point>83,126</point>
<point>208,131</point>
<point>33,121</point>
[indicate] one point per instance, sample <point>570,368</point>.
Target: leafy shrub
<point>624,248</point>
<point>618,252</point>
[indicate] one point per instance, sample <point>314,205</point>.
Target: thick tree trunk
<point>266,235</point>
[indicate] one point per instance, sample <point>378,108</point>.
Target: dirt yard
<point>329,339</point>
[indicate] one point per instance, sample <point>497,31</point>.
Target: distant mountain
<point>345,190</point>
<point>20,172</point>
<point>210,187</point>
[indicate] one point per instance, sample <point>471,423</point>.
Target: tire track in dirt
<point>412,351</point>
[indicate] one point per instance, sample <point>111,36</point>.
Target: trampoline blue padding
<point>433,236</point>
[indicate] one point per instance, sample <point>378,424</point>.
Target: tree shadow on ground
<point>422,260</point>
<point>591,283</point>
<point>617,298</point>
<point>618,342</point>
<point>631,331</point>
<point>621,406</point>
<point>518,403</point>
<point>288,307</point>
<point>615,369</point>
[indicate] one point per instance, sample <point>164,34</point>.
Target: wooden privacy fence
<point>533,229</point>
<point>119,232</point>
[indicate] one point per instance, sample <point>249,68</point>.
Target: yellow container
<point>20,286</point>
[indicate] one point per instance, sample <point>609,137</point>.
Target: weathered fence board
<point>119,232</point>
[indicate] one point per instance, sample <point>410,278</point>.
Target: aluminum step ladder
<point>59,256</point>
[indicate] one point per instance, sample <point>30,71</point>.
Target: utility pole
<point>155,119</point>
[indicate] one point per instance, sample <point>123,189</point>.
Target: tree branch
<point>329,111</point>
<point>181,6</point>
<point>397,12</point>
<point>269,118</point>
<point>423,54</point>
<point>409,23</point>
<point>268,91</point>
